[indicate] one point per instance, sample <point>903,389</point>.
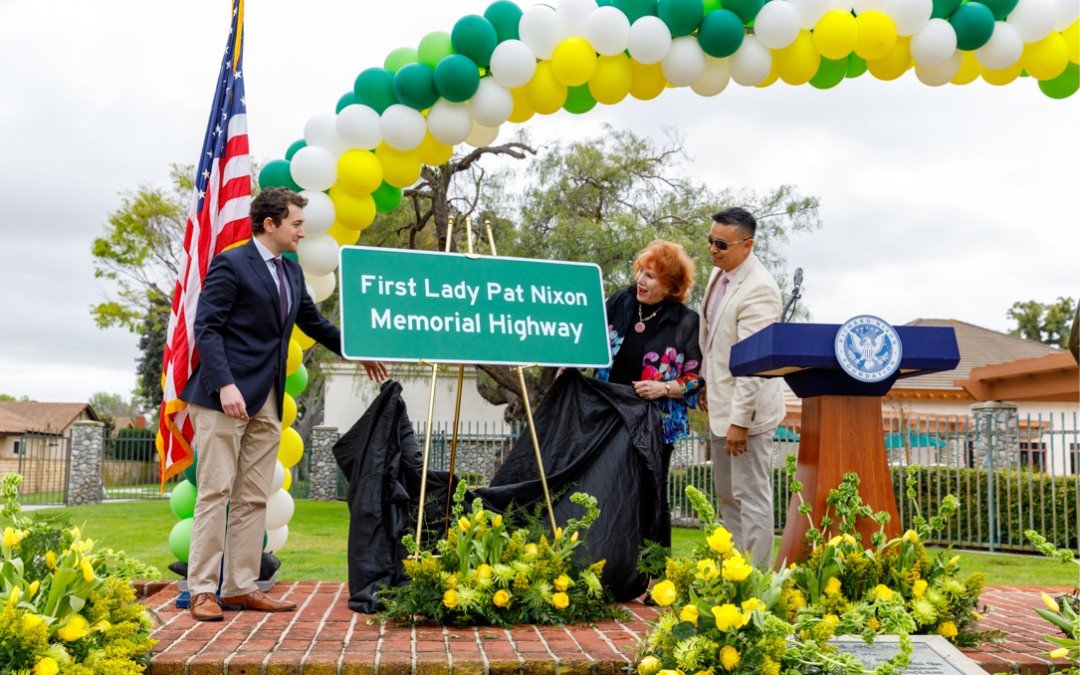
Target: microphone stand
<point>796,293</point>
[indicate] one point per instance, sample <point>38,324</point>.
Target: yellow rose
<point>1051,604</point>
<point>689,613</point>
<point>562,582</point>
<point>50,560</point>
<point>450,599</point>
<point>670,672</point>
<point>501,599</point>
<point>719,540</point>
<point>648,665</point>
<point>483,572</point>
<point>560,600</point>
<point>46,666</point>
<point>87,570</point>
<point>1059,653</point>
<point>573,537</point>
<point>911,536</point>
<point>707,569</point>
<point>727,617</point>
<point>14,597</point>
<point>736,569</point>
<point>919,588</point>
<point>832,618</point>
<point>558,533</point>
<point>75,628</point>
<point>729,657</point>
<point>463,524</point>
<point>948,629</point>
<point>497,520</point>
<point>33,589</point>
<point>884,592</point>
<point>832,586</point>
<point>664,593</point>
<point>751,604</point>
<point>873,624</point>
<point>530,549</point>
<point>31,621</point>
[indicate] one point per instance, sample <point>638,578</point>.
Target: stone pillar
<point>324,468</point>
<point>84,467</point>
<point>996,434</point>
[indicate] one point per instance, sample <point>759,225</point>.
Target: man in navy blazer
<point>251,298</point>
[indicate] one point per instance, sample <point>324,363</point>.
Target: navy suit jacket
<point>238,329</point>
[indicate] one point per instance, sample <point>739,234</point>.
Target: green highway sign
<point>399,305</point>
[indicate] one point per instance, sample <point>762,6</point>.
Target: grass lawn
<point>319,531</point>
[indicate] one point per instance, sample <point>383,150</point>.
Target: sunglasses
<point>723,245</point>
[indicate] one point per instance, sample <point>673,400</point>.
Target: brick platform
<point>324,637</point>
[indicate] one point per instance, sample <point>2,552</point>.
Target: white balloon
<point>684,63</point>
<point>777,24</point>
<point>403,128</point>
<point>318,214</point>
<point>1002,50</point>
<point>574,15</point>
<point>318,255</point>
<point>321,130</point>
<point>279,510</point>
<point>358,127</point>
<point>275,539</point>
<point>1068,14</point>
<point>751,64</point>
<point>607,30</point>
<point>279,477</point>
<point>861,6</point>
<point>648,40</point>
<point>943,74</point>
<point>482,136</point>
<point>934,44</point>
<point>541,28</point>
<point>1033,19</point>
<point>449,123</point>
<point>909,15</point>
<point>716,76</point>
<point>810,12</point>
<point>492,103</point>
<point>513,63</point>
<point>321,287</point>
<point>309,290</point>
<point>842,5</point>
<point>314,168</point>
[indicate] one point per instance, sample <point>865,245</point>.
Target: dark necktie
<point>283,299</point>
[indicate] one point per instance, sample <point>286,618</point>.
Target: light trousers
<point>235,473</point>
<point>745,495</point>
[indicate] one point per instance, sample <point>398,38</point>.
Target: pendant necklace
<point>640,325</point>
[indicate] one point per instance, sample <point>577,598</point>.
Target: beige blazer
<point>751,302</point>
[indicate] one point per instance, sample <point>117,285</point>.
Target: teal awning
<point>912,441</point>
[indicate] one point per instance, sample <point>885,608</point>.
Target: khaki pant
<point>236,470</point>
<point>745,494</point>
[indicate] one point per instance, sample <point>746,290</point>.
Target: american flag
<point>218,220</point>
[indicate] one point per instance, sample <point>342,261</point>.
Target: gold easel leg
<point>427,450</point>
<point>536,446</point>
<point>453,444</point>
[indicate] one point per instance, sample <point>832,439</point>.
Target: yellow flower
<point>46,666</point>
<point>884,592</point>
<point>948,629</point>
<point>911,536</point>
<point>648,665</point>
<point>14,597</point>
<point>792,566</point>
<point>9,538</point>
<point>450,599</point>
<point>463,524</point>
<point>955,559</point>
<point>1059,653</point>
<point>76,533</point>
<point>729,657</point>
<point>87,570</point>
<point>689,613</point>
<point>719,540</point>
<point>573,537</point>
<point>727,617</point>
<point>562,582</point>
<point>479,515</point>
<point>1051,604</point>
<point>530,549</point>
<point>751,604</point>
<point>670,672</point>
<point>664,593</point>
<point>102,626</point>
<point>736,569</point>
<point>558,533</point>
<point>832,618</point>
<point>835,540</point>
<point>31,621</point>
<point>832,586</point>
<point>501,599</point>
<point>33,589</point>
<point>483,572</point>
<point>50,560</point>
<point>873,624</point>
<point>560,600</point>
<point>797,599</point>
<point>497,520</point>
<point>919,588</point>
<point>75,628</point>
<point>848,539</point>
<point>978,617</point>
<point>707,569</point>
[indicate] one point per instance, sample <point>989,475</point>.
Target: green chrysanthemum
<point>694,654</point>
<point>952,586</point>
<point>923,611</point>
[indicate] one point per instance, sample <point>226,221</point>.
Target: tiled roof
<point>18,416</point>
<point>13,423</point>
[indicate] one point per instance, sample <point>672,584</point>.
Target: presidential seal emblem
<point>868,348</point>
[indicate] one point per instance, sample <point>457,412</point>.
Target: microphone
<point>796,293</point>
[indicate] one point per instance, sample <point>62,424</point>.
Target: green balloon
<point>746,10</point>
<point>375,88</point>
<point>277,174</point>
<point>291,256</point>
<point>721,33</point>
<point>605,3</point>
<point>1000,8</point>
<point>681,16</point>
<point>475,37</point>
<point>711,6</point>
<point>856,66</point>
<point>1024,73</point>
<point>635,9</point>
<point>414,85</point>
<point>579,100</point>
<point>974,24</point>
<point>457,78</point>
<point>387,197</point>
<point>346,100</point>
<point>294,147</point>
<point>297,382</point>
<point>434,47</point>
<point>505,16</point>
<point>190,472</point>
<point>1064,85</point>
<point>265,539</point>
<point>943,9</point>
<point>830,73</point>
<point>182,500</point>
<point>180,539</point>
<point>399,57</point>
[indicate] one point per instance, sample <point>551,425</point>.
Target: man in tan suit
<point>741,299</point>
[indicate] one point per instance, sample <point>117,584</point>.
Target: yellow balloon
<point>544,93</point>
<point>288,412</point>
<point>877,35</point>
<point>296,357</point>
<point>1047,58</point>
<point>352,210</point>
<point>1002,77</point>
<point>288,481</point>
<point>1072,41</point>
<point>835,35</point>
<point>895,63</point>
<point>799,61</point>
<point>400,168</point>
<point>612,80</point>
<point>573,62</point>
<point>771,79</point>
<point>343,235</point>
<point>301,338</point>
<point>522,111</point>
<point>291,448</point>
<point>359,172</point>
<point>432,152</point>
<point>970,69</point>
<point>648,82</point>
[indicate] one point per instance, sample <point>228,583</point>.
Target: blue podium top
<point>805,356</point>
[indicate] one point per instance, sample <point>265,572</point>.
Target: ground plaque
<point>931,654</point>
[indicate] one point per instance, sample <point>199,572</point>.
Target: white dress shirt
<point>269,258</point>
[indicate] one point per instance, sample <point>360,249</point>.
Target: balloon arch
<point>509,64</point>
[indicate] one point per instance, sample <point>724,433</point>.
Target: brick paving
<point>324,637</point>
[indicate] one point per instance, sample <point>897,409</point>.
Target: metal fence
<point>45,464</point>
<point>130,470</point>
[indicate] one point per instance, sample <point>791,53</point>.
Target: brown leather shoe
<point>204,607</point>
<point>257,601</point>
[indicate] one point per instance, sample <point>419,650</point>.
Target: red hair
<point>670,265</point>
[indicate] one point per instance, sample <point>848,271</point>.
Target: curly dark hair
<point>273,203</point>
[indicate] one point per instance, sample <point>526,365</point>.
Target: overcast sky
<point>937,203</point>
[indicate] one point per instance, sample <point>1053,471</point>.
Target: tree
<point>1049,323</point>
<point>21,399</point>
<point>151,358</point>
<point>110,406</point>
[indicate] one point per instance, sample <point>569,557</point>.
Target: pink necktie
<point>711,309</point>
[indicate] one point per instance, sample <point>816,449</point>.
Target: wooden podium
<point>841,416</point>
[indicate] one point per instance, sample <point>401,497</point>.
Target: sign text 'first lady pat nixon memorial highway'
<point>399,305</point>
